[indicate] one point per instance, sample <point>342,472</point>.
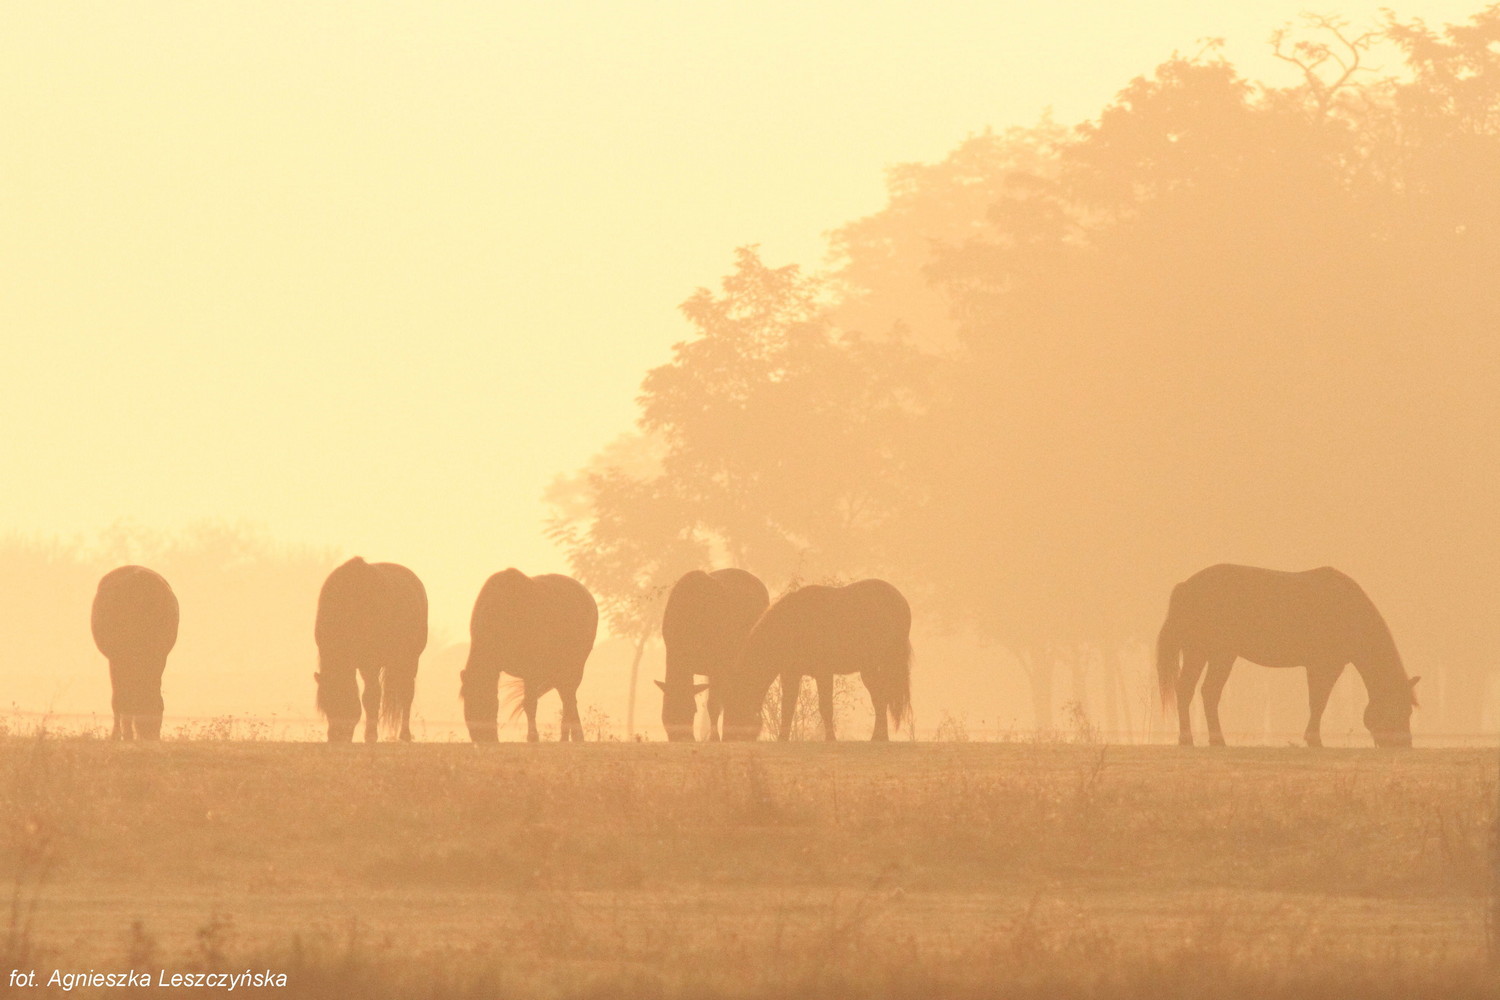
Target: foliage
<point>1221,321</point>
<point>779,443</point>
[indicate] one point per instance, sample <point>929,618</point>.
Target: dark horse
<point>819,631</point>
<point>539,630</point>
<point>134,622</point>
<point>372,621</point>
<point>708,617</point>
<point>1318,619</point>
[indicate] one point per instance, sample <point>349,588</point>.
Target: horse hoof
<point>1184,741</point>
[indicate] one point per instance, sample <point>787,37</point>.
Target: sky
<point>371,275</point>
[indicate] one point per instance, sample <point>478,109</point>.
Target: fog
<point>1242,310</point>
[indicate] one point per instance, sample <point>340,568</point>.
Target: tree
<point>1253,331</point>
<point>778,443</point>
<point>1220,322</point>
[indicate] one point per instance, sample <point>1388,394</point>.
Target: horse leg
<point>572,725</point>
<point>117,701</point>
<point>715,709</point>
<point>825,705</point>
<point>404,691</point>
<point>1213,687</point>
<point>881,731</point>
<point>791,687</point>
<point>148,721</point>
<point>528,704</point>
<point>371,700</point>
<point>1320,681</point>
<point>1187,682</point>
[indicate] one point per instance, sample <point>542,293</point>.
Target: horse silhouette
<point>372,621</point>
<point>1319,619</point>
<point>820,631</point>
<point>539,630</point>
<point>704,627</point>
<point>134,621</point>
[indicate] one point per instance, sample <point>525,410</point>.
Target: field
<point>615,869</point>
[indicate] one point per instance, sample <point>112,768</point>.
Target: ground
<point>804,869</point>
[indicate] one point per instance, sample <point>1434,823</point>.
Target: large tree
<point>1222,321</point>
<point>772,441</point>
<point>1257,325</point>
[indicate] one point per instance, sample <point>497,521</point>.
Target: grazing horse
<point>819,631</point>
<point>708,617</point>
<point>134,621</point>
<point>1318,619</point>
<point>538,629</point>
<point>372,621</point>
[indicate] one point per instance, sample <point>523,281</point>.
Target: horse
<point>820,631</point>
<point>134,620</point>
<point>540,630</point>
<point>707,619</point>
<point>372,621</point>
<point>1319,619</point>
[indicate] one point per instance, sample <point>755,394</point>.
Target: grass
<point>927,869</point>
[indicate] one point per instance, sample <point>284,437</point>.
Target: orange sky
<point>371,275</point>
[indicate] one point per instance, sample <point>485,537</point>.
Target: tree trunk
<point>1078,665</point>
<point>635,673</point>
<point>1109,668</point>
<point>1038,669</point>
<point>1114,682</point>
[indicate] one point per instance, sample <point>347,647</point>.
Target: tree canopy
<point>1065,368</point>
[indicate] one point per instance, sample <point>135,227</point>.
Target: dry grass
<point>965,869</point>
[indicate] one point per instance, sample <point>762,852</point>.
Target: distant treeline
<point>1066,366</point>
<point>248,607</point>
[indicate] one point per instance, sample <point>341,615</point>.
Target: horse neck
<point>1383,674</point>
<point>680,668</point>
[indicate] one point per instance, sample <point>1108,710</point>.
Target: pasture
<point>647,869</point>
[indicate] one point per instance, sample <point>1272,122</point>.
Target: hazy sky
<point>371,274</point>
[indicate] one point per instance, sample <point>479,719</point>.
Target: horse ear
<point>1413,683</point>
<point>699,688</point>
<point>660,685</point>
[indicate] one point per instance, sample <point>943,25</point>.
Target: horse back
<point>707,619</point>
<point>530,626</point>
<point>371,610</point>
<point>839,629</point>
<point>1274,617</point>
<point>134,614</point>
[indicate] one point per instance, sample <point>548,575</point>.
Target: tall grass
<point>966,869</point>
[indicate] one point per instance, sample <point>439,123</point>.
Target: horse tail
<point>898,689</point>
<point>1168,658</point>
<point>398,688</point>
<point>515,697</point>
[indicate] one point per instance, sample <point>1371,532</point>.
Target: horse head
<point>679,706</point>
<point>1389,718</point>
<point>742,718</point>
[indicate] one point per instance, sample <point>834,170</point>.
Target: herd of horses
<point>722,626</point>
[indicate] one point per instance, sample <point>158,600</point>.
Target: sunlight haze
<point>371,276</point>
